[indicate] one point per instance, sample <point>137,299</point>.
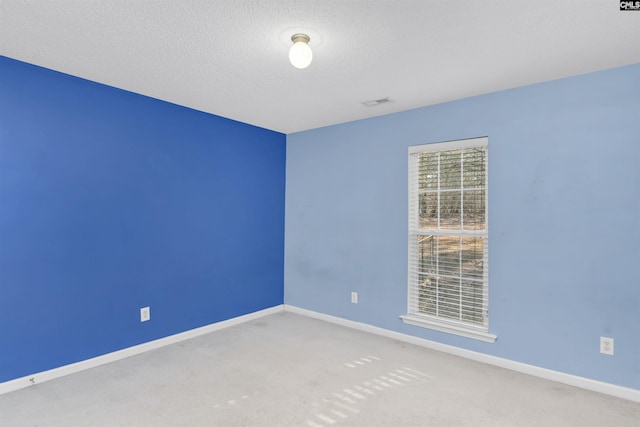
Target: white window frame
<point>413,317</point>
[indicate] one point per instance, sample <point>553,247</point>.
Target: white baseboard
<point>40,377</point>
<point>561,377</point>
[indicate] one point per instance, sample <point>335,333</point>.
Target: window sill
<point>450,328</point>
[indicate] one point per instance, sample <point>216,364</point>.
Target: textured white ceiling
<point>230,57</point>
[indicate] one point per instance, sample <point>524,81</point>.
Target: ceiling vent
<point>375,102</point>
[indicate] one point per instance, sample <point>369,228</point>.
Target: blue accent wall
<point>111,201</point>
<point>564,200</point>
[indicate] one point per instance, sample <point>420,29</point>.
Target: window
<point>448,238</point>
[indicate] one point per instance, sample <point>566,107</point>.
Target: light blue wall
<point>111,201</point>
<point>564,188</point>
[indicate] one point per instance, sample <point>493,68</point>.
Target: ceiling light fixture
<point>300,53</point>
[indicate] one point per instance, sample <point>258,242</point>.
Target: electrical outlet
<point>606,346</point>
<point>354,297</point>
<point>145,314</point>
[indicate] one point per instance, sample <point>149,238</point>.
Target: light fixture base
<point>300,37</point>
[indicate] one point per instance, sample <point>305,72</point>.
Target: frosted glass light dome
<point>300,53</point>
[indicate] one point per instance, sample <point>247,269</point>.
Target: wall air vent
<point>375,102</point>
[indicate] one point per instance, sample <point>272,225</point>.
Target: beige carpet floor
<point>290,370</point>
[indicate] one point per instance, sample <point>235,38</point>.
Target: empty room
<point>319,213</point>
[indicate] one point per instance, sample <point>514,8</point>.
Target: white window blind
<point>448,238</point>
